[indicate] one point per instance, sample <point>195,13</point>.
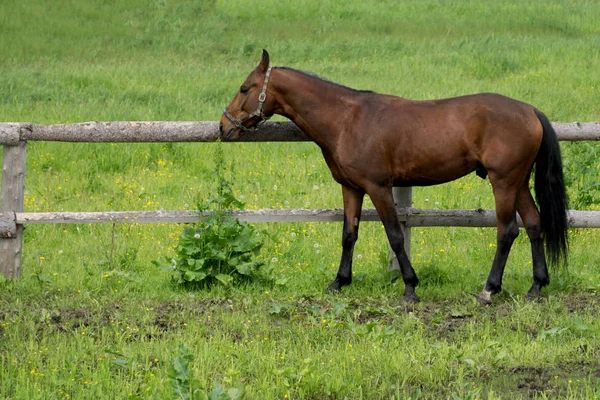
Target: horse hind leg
<point>507,232</point>
<point>531,220</point>
<point>352,210</point>
<point>384,203</point>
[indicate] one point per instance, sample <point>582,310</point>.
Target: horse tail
<point>550,194</point>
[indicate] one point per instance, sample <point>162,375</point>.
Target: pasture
<point>92,317</point>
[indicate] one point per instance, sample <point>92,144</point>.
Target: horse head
<point>250,106</point>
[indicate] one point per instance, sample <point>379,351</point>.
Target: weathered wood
<point>412,216</point>
<point>163,216</point>
<point>199,131</point>
<point>577,131</point>
<point>13,199</point>
<point>8,225</point>
<point>157,131</point>
<point>10,134</point>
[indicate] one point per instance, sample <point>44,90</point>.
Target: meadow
<point>93,317</point>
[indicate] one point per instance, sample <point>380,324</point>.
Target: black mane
<point>310,75</point>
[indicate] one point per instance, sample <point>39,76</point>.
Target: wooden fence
<point>14,137</point>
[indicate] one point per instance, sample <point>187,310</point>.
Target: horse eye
<point>244,89</point>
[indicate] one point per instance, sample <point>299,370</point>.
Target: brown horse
<point>372,142</point>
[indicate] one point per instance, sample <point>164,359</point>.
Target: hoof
<point>336,286</point>
<point>410,299</point>
<point>534,292</point>
<point>533,296</point>
<point>485,298</point>
<point>334,289</point>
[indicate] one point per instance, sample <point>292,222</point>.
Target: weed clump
<point>219,249</point>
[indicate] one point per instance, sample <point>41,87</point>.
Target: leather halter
<point>262,97</point>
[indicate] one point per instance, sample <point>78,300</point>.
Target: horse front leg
<point>352,208</point>
<point>384,203</point>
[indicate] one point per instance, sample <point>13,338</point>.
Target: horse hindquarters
<point>511,191</point>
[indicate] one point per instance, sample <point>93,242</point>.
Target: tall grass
<point>92,318</point>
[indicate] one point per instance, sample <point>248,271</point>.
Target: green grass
<point>93,318</point>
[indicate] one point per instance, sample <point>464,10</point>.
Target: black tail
<point>550,194</point>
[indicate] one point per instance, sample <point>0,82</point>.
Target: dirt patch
<point>308,311</point>
<point>168,316</point>
<point>69,319</point>
<point>534,380</point>
<point>195,308</point>
<point>368,317</point>
<point>582,303</point>
<point>531,382</point>
<point>444,319</point>
<point>171,316</point>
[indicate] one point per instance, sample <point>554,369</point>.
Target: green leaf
<point>183,384</point>
<point>219,255</point>
<point>235,393</point>
<point>177,277</point>
<point>218,393</point>
<point>276,309</point>
<point>120,362</point>
<point>581,326</point>
<point>44,278</point>
<point>194,276</point>
<point>249,268</point>
<point>189,249</point>
<point>179,368</point>
<point>196,264</point>
<point>389,330</point>
<point>281,281</point>
<point>167,265</point>
<point>224,279</point>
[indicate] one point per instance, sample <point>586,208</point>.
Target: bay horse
<point>372,142</point>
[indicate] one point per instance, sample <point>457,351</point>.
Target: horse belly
<point>427,170</point>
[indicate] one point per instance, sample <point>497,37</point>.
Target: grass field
<point>92,317</point>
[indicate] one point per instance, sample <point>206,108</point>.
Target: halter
<point>262,97</point>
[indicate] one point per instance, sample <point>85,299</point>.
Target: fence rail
<point>136,132</point>
<point>14,136</point>
<point>408,215</point>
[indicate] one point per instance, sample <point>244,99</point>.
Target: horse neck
<point>308,102</point>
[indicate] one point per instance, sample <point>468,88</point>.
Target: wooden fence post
<point>402,198</point>
<point>13,199</point>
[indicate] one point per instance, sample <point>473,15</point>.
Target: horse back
<point>436,141</point>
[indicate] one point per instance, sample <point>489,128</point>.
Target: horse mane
<point>317,77</point>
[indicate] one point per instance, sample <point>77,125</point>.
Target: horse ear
<point>264,63</point>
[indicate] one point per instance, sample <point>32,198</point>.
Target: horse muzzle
<point>228,133</point>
